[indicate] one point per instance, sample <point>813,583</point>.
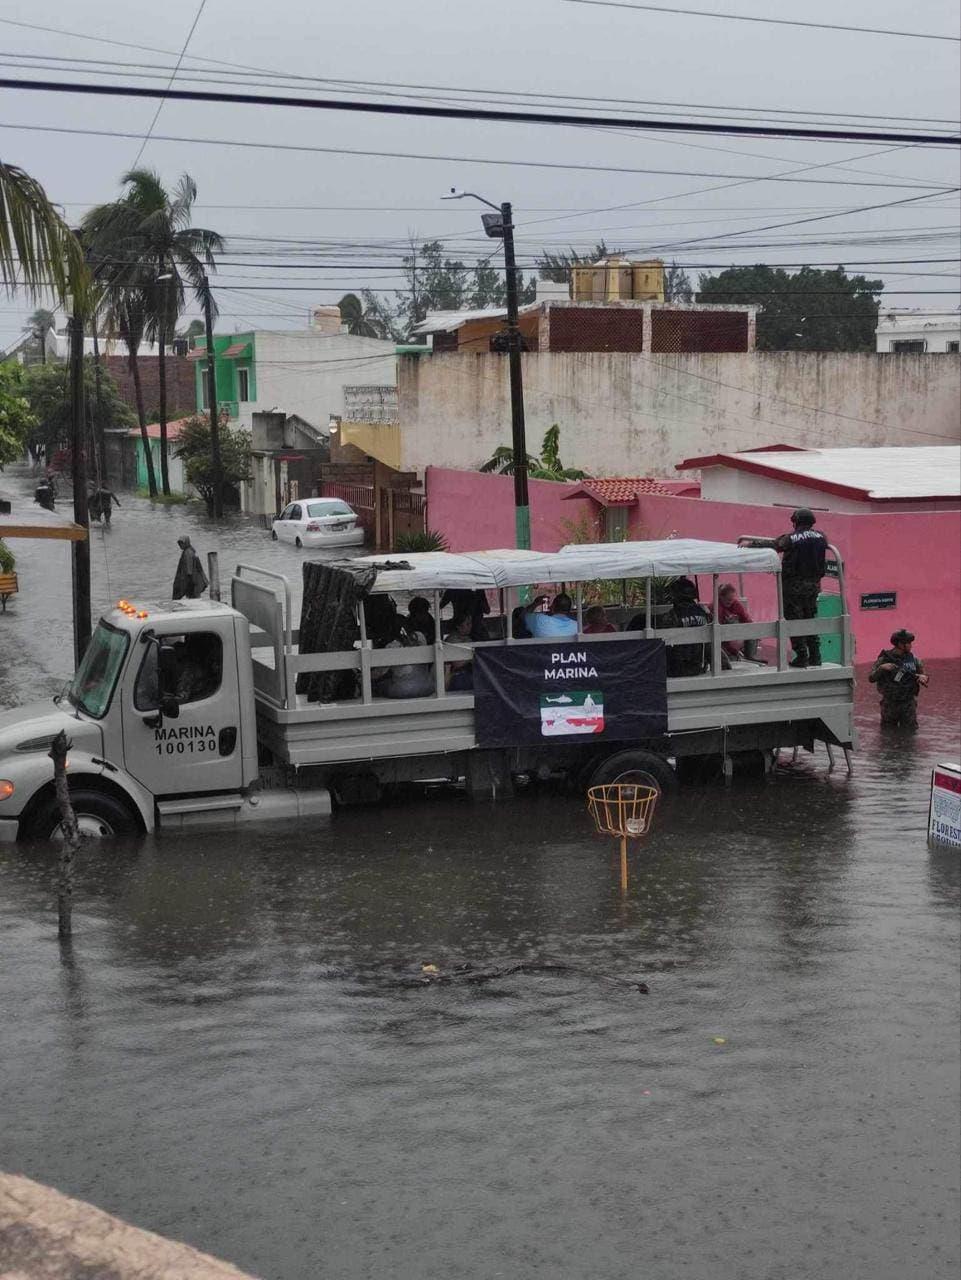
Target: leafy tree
<point>39,323</point>
<point>361,322</point>
<point>557,266</point>
<point>16,416</point>
<point>46,389</point>
<point>438,283</point>
<point>547,467</point>
<point>810,310</point>
<point>143,244</point>
<point>193,330</point>
<point>677,285</point>
<point>194,447</point>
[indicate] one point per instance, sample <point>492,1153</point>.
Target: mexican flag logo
<point>570,712</point>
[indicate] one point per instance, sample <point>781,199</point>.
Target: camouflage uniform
<point>899,696</point>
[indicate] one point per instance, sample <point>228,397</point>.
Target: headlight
<point>6,789</point>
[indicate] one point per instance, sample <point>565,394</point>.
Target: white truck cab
<point>160,715</point>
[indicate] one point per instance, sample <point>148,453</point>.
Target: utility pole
<point>500,226</point>
<point>79,551</point>
<point>216,460</point>
<point>522,510</point>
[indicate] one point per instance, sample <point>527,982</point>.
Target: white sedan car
<point>318,522</point>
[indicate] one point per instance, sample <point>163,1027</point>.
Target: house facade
<point>919,332</point>
<point>300,373</point>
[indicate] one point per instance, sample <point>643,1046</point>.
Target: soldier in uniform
<point>899,675</point>
<point>803,557</point>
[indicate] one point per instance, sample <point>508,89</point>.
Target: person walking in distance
<point>190,579</point>
<point>803,559</point>
<point>899,675</point>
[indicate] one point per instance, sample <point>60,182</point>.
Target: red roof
<point>620,491</point>
<point>235,349</point>
<point>197,353</point>
<point>153,429</point>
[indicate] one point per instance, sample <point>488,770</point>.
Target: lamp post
<point>80,550</point>
<point>500,226</point>
<point>215,458</point>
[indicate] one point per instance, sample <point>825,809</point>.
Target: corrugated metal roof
<point>879,474</point>
<point>448,321</point>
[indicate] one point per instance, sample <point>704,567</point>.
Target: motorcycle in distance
<point>46,495</point>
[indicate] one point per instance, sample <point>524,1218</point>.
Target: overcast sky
<point>528,46</point>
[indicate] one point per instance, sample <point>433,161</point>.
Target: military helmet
<point>803,516</point>
<point>902,637</point>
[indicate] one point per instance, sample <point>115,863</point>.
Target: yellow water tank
<point>617,279</point>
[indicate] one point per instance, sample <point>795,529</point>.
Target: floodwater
<point>242,1050</point>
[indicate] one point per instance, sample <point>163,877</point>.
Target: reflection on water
<point>239,1050</point>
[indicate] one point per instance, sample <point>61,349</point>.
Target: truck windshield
<point>92,687</point>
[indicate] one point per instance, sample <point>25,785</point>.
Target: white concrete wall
<point>727,484</point>
<point>638,415</point>
<point>305,373</point>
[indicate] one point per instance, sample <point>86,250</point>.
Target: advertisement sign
<point>944,812</point>
<point>569,691</point>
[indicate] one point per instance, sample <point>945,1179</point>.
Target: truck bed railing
<point>277,661</point>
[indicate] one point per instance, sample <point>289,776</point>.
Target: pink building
<point>901,551</point>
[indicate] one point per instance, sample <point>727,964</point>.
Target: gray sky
<point>529,46</point>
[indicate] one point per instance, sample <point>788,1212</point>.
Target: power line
<point>778,22</point>
<point>515,93</point>
<point>173,76</point>
<point>938,189</point>
<point>474,113</point>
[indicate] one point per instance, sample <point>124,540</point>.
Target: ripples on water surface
<point>233,1055</point>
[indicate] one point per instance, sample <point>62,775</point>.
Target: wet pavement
<point>242,1050</point>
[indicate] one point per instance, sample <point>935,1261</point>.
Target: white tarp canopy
<point>490,570</point>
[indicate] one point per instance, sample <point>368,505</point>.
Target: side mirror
<point>169,706</point>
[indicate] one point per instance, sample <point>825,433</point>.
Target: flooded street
<point>240,1049</point>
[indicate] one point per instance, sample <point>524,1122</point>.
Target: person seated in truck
<point>596,623</point>
<point>556,622</point>
<point>731,609</point>
<point>200,665</point>
<point>474,603</point>
<point>408,680</point>
<point>459,675</point>
<point>519,627</point>
<point>420,618</point>
<point>685,611</point>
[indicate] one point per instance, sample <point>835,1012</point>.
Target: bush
<point>7,559</point>
<point>411,543</point>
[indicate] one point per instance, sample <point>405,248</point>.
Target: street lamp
<point>500,226</point>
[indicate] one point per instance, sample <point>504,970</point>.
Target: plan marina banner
<point>570,691</point>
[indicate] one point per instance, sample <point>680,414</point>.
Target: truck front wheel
<point>99,817</point>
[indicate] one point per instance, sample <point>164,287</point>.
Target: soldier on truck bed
<point>803,558</point>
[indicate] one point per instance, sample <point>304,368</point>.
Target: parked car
<point>318,522</point>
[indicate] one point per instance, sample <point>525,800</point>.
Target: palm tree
<point>145,242</point>
<point>547,467</point>
<point>361,323</point>
<point>38,251</point>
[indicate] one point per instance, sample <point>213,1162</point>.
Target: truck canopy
<point>577,562</point>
